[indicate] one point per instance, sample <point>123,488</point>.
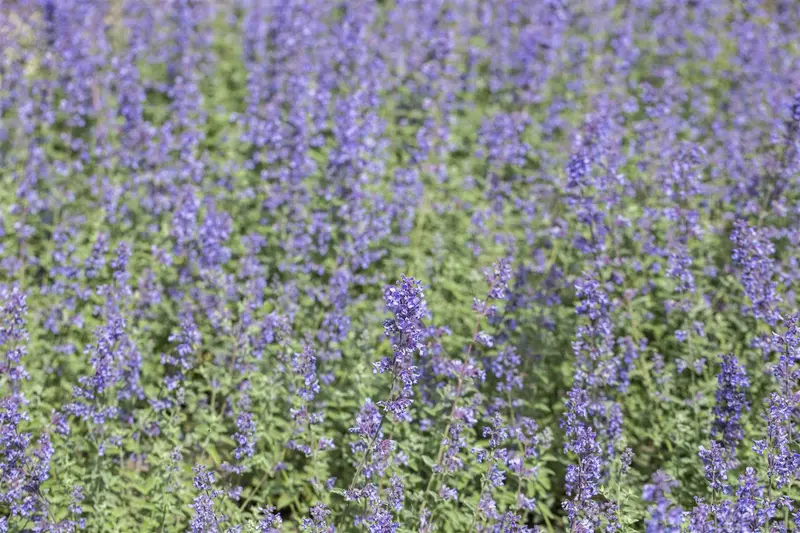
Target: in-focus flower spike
<point>205,518</point>
<point>582,478</point>
<point>715,468</point>
<point>406,330</point>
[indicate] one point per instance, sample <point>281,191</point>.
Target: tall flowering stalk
<point>13,338</point>
<point>462,417</point>
<point>593,419</point>
<point>731,403</point>
<point>753,253</point>
<point>406,302</point>
<point>583,478</point>
<point>24,466</point>
<point>94,402</point>
<point>205,519</point>
<point>778,446</point>
<point>682,186</point>
<point>599,370</point>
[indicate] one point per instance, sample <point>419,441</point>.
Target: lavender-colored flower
<point>484,339</point>
<point>501,135</point>
<point>203,479</point>
<point>731,402</point>
<point>715,467</point>
<point>318,521</point>
<point>97,259</point>
<point>583,478</point>
<point>205,518</point>
<point>505,367</point>
<point>406,302</point>
<point>665,516</point>
<point>595,343</point>
<point>271,521</point>
<point>487,506</point>
<point>23,468</point>
<point>786,372</point>
<point>187,340</point>
<point>497,278</point>
<point>305,389</point>
<point>511,523</point>
<point>304,365</point>
<point>212,236</point>
<point>752,511</point>
<point>378,516</point>
<point>593,183</point>
<point>377,450</point>
<point>526,504</point>
<point>783,464</point>
<point>107,357</point>
<point>448,493</point>
<point>13,335</point>
<point>396,493</point>
<point>76,509</point>
<point>752,252</point>
<point>244,436</point>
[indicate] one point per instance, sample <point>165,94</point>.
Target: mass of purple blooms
<point>391,266</point>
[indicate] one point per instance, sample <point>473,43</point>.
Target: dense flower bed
<point>401,265</point>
